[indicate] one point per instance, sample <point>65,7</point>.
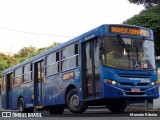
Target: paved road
<point>90,114</point>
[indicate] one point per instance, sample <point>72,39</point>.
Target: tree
<point>53,45</point>
<point>25,53</point>
<point>146,3</point>
<point>6,61</point>
<point>40,50</point>
<point>149,18</point>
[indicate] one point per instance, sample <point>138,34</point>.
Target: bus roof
<point>100,31</point>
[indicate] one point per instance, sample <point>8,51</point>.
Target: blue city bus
<point>109,65</point>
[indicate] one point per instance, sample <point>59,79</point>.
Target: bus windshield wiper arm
<point>121,41</point>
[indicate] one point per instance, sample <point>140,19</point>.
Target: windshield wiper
<point>121,42</point>
<point>138,46</point>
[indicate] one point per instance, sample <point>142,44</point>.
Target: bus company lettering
<point>143,80</point>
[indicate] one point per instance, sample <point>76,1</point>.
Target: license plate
<point>135,90</point>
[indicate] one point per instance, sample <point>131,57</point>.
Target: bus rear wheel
<point>22,109</point>
<point>58,109</point>
<point>117,105</point>
<point>73,102</point>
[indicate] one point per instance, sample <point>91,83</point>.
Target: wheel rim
<point>21,107</point>
<point>74,100</point>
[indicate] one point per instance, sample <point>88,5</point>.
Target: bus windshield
<point>128,53</point>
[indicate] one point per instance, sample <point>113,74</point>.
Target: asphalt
<point>131,107</point>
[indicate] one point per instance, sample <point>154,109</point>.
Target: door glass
<point>92,79</point>
<point>8,88</point>
<point>89,71</point>
<point>96,66</point>
<point>39,76</point>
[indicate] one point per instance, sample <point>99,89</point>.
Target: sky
<point>39,23</point>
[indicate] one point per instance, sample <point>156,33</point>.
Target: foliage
<point>40,50</point>
<point>23,54</point>
<point>53,45</point>
<point>146,3</point>
<point>149,18</point>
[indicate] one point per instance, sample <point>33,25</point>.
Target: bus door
<point>9,78</point>
<point>91,74</point>
<point>38,79</point>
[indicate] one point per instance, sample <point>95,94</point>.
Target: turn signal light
<point>154,83</point>
<point>113,82</point>
<point>109,81</point>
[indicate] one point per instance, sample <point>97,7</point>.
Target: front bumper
<point>111,91</point>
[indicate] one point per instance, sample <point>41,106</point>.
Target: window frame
<point>15,77</point>
<point>28,72</point>
<point>50,64</point>
<point>75,55</point>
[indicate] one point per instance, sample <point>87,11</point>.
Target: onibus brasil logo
<point>16,114</point>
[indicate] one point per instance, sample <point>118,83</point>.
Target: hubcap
<point>20,107</point>
<point>74,101</point>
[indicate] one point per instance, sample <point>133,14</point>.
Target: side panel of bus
<point>59,74</point>
<point>28,93</point>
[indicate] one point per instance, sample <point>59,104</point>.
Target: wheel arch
<point>19,99</point>
<point>68,89</point>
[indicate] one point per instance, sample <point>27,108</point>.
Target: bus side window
<point>76,53</point>
<point>69,57</point>
<point>18,76</point>
<point>52,66</point>
<point>27,73</point>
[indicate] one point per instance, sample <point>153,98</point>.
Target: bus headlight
<point>113,82</point>
<point>152,83</point>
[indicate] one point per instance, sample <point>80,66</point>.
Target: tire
<point>117,105</point>
<point>73,103</point>
<point>22,109</point>
<point>59,109</point>
<point>29,110</point>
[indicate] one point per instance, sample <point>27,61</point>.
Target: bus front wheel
<point>73,102</point>
<point>117,105</point>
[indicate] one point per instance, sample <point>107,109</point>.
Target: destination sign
<point>130,31</point>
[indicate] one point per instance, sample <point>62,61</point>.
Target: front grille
<point>132,84</point>
<point>142,84</point>
<point>130,76</point>
<point>135,93</point>
<point>133,75</point>
<point>126,84</point>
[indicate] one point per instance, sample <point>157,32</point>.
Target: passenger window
<point>18,77</point>
<point>27,73</point>
<point>52,66</point>
<point>69,57</point>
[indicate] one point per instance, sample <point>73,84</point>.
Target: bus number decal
<point>142,80</point>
